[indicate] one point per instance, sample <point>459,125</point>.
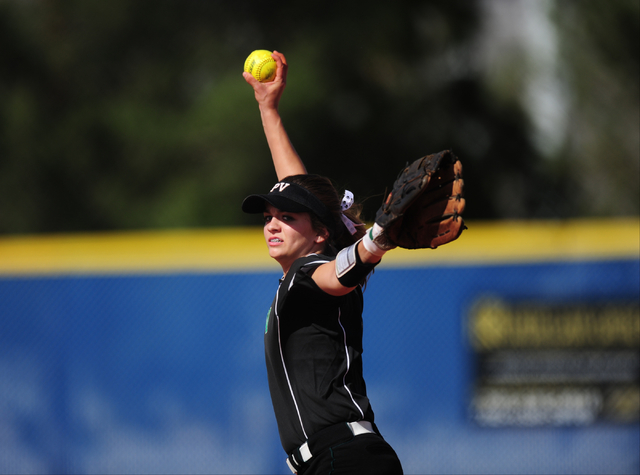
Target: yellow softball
<point>261,65</point>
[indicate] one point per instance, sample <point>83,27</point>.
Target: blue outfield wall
<point>161,369</point>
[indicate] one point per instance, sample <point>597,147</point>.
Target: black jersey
<point>313,348</point>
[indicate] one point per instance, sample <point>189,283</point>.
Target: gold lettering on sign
<point>495,324</point>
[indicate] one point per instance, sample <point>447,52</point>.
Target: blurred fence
<point>512,350</point>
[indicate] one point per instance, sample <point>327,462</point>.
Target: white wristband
<point>369,245</point>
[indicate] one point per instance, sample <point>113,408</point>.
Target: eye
<point>286,217</point>
<point>266,219</point>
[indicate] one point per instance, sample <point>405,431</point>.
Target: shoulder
<point>307,263</point>
<point>301,270</point>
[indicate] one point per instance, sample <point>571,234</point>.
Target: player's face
<point>290,236</point>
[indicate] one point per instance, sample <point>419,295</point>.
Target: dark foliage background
<point>134,114</point>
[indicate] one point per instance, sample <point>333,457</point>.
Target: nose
<point>273,225</point>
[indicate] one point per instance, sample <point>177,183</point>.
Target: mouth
<point>275,241</point>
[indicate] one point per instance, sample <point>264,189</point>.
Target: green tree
<point>123,115</point>
<point>599,48</point>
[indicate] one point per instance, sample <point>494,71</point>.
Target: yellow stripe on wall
<point>242,249</point>
<point>136,252</point>
<point>533,241</point>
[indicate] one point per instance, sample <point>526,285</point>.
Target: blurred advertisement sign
<point>545,363</point>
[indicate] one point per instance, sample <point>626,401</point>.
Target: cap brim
<point>254,204</point>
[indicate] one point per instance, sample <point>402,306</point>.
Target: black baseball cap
<point>292,198</point>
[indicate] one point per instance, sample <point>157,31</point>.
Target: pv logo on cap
<point>281,186</point>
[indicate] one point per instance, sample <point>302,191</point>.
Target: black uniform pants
<point>366,454</point>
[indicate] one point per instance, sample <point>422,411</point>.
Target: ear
<point>322,236</point>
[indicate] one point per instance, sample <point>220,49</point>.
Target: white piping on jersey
<point>321,261</point>
<point>284,366</point>
<point>346,352</point>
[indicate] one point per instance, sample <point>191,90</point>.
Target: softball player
<point>313,333</point>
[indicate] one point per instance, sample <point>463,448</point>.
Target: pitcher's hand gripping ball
<point>425,205</point>
<point>261,65</point>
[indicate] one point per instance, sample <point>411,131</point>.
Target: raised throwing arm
<point>285,158</point>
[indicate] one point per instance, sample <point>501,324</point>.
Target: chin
<point>274,254</point>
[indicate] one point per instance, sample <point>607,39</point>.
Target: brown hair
<point>323,189</point>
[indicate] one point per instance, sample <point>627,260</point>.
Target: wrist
<point>369,241</point>
<point>268,109</point>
